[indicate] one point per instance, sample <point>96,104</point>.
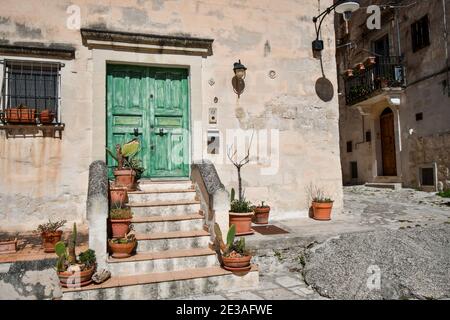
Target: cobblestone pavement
<point>280,257</point>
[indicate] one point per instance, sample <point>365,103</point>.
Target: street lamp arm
<point>322,16</point>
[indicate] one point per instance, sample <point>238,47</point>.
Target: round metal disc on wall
<point>324,89</point>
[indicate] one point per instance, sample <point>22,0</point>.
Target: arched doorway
<point>388,142</point>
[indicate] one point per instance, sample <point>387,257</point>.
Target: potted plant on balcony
<point>360,66</point>
<point>370,61</point>
<point>50,234</point>
<point>46,116</point>
<point>234,255</point>
<point>261,213</point>
<point>122,247</point>
<point>128,167</point>
<point>74,271</point>
<point>120,219</point>
<point>349,73</point>
<point>322,206</point>
<point>21,114</point>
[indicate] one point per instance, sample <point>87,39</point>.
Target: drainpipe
<point>444,9</point>
<point>399,47</point>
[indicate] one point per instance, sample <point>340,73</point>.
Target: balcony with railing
<point>384,73</point>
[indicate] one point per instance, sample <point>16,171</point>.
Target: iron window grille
<point>31,92</point>
<point>420,34</point>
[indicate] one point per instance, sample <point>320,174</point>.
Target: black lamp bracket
<point>322,16</point>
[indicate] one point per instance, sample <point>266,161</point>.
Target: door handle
<point>136,132</point>
<point>161,132</point>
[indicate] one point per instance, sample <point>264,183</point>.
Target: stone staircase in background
<point>173,256</point>
<point>386,182</point>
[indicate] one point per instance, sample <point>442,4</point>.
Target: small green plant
<point>50,227</point>
<point>444,194</point>
<point>120,213</point>
<point>67,256</point>
<point>262,205</point>
<point>129,237</point>
<point>241,206</point>
<point>317,194</point>
<point>87,258</point>
<point>125,156</point>
<point>232,248</point>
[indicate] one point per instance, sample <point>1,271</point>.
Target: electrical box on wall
<point>212,115</point>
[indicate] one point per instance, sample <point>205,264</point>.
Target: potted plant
<point>128,167</point>
<point>8,246</point>
<point>120,218</point>
<point>122,247</point>
<point>360,66</point>
<point>74,271</point>
<point>261,213</point>
<point>241,215</point>
<point>349,73</point>
<point>234,255</point>
<point>118,195</point>
<point>322,206</point>
<point>371,60</point>
<point>50,234</point>
<point>21,114</point>
<point>241,212</point>
<point>46,116</point>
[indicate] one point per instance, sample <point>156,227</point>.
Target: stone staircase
<point>173,256</point>
<point>386,182</point>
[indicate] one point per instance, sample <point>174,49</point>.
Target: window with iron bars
<point>31,92</point>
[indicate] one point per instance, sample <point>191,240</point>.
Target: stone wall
<point>42,178</point>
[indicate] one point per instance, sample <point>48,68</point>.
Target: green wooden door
<point>151,104</point>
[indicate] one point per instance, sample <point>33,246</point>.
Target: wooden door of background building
<point>388,143</point>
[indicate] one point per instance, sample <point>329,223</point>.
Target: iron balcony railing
<point>387,72</point>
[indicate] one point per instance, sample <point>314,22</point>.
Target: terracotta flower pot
<point>261,215</point>
<point>371,61</point>
<point>125,178</point>
<point>242,221</point>
<point>349,73</point>
<point>118,195</point>
<point>121,250</point>
<point>322,211</point>
<point>236,263</point>
<point>360,66</point>
<point>20,115</point>
<point>9,246</point>
<point>120,227</point>
<point>46,116</point>
<point>76,279</point>
<point>49,239</point>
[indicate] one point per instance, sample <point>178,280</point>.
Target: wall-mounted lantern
<point>238,79</point>
<point>344,7</point>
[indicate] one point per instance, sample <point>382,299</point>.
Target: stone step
<point>158,196</point>
<point>168,223</point>
<point>387,179</point>
<point>393,186</point>
<point>174,240</point>
<point>164,208</point>
<point>148,185</point>
<point>164,261</point>
<point>166,285</point>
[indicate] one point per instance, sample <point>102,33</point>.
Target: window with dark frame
<point>419,116</point>
<point>427,176</point>
<point>420,34</point>
<point>349,146</point>
<point>368,136</point>
<point>31,85</point>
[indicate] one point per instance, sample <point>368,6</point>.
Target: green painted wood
<point>154,101</point>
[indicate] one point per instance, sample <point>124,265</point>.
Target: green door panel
<point>154,103</point>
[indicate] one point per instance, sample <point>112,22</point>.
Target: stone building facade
<point>395,115</point>
<point>193,44</point>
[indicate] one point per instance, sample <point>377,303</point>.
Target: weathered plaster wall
<point>265,35</point>
<point>422,142</point>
